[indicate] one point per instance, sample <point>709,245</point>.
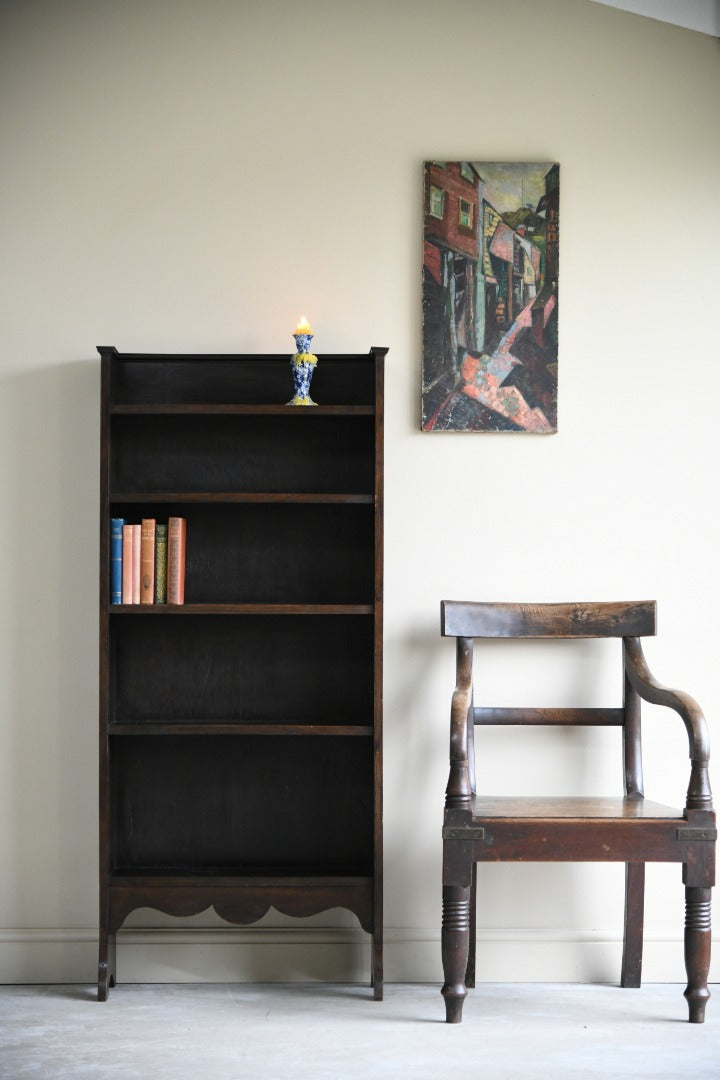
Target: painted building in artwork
<point>450,260</point>
<point>509,271</point>
<point>544,314</point>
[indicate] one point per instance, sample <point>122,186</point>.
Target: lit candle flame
<point>303,327</point>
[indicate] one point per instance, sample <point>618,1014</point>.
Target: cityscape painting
<point>490,296</point>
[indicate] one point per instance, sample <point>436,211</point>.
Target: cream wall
<point>193,175</point>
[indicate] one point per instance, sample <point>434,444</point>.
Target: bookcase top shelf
<point>241,358</point>
<point>231,409</point>
<point>213,385</point>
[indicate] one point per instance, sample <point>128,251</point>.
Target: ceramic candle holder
<point>302,365</point>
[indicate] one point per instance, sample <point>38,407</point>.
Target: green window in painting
<point>465,213</point>
<point>437,201</point>
<point>467,171</point>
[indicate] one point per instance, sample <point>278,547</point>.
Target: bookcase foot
<point>112,953</point>
<point>376,978</point>
<point>106,966</point>
<point>103,982</point>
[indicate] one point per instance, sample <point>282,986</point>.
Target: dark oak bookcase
<point>241,733</point>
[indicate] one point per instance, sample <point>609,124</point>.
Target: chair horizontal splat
<point>574,717</point>
<point>461,618</point>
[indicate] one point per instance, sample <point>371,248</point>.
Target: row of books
<point>147,561</point>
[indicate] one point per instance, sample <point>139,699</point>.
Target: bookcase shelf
<point>228,877</point>
<point>144,610</point>
<point>241,731</point>
<point>202,727</point>
<point>227,409</point>
<point>177,497</point>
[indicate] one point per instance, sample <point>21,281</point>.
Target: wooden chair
<point>626,829</point>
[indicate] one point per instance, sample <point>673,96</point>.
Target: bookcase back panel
<point>280,553</point>
<point>240,381</point>
<point>198,803</point>
<point>290,669</point>
<point>294,453</point>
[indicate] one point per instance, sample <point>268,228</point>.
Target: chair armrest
<point>458,791</point>
<point>699,796</point>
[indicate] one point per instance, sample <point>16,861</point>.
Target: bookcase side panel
<point>105,700</point>
<point>378,616</point>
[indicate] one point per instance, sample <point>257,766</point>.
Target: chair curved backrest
<point>462,618</point>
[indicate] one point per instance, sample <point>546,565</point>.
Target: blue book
<point>116,528</point>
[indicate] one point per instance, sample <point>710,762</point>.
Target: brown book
<point>147,561</point>
<point>127,565</point>
<point>176,560</point>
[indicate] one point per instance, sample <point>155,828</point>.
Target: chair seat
<point>542,829</point>
<point>486,808</point>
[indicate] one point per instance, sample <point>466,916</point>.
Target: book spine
<point>176,560</point>
<point>136,564</point>
<point>161,546</point>
<point>127,565</point>
<point>147,561</point>
<point>116,562</point>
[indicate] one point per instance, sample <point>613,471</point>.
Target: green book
<point>161,539</point>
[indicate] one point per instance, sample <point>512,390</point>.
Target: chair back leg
<point>631,973</point>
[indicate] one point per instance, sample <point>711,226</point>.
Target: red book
<point>127,582</point>
<point>176,560</point>
<point>135,564</point>
<point>147,561</point>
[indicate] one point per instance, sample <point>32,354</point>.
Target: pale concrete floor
<point>316,1031</point>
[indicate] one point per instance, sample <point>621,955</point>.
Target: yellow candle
<point>303,327</point>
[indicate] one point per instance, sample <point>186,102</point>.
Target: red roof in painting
<point>501,244</point>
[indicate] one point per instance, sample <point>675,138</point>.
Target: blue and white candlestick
<point>302,365</point>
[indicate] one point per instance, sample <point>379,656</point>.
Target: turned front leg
<point>470,970</point>
<point>697,950</point>
<point>455,947</point>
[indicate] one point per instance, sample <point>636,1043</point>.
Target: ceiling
<point>701,15</point>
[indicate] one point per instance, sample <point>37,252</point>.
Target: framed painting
<point>490,296</point>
